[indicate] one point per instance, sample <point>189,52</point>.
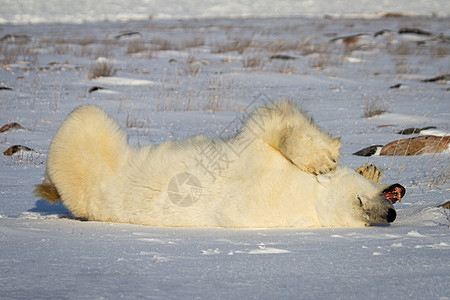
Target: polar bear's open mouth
<point>394,193</point>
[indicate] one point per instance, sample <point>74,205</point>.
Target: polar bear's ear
<point>323,179</point>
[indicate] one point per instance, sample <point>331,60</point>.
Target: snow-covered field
<point>172,79</point>
<point>64,11</point>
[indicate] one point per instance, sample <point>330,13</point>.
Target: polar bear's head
<point>351,199</point>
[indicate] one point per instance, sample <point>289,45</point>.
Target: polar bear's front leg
<point>311,151</point>
<point>371,172</point>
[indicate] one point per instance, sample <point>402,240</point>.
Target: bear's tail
<point>89,148</point>
<point>47,190</point>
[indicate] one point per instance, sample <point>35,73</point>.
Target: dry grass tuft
<point>320,61</point>
<point>239,46</point>
<point>253,61</point>
<point>403,48</point>
<point>373,108</point>
<point>403,67</point>
<point>103,51</point>
<point>85,41</point>
<point>439,51</point>
<point>61,49</point>
<point>161,44</point>
<point>192,43</point>
<point>213,96</point>
<point>282,46</point>
<point>134,121</point>
<point>136,46</point>
<point>101,69</point>
<point>12,53</point>
<point>434,172</point>
<point>307,47</point>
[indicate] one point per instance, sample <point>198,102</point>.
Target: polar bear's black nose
<point>391,215</point>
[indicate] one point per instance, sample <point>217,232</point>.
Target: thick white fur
<point>268,175</point>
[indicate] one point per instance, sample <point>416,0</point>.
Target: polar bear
<point>279,170</point>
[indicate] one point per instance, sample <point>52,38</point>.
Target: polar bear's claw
<point>371,172</point>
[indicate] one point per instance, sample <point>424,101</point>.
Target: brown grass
<point>101,69</point>
<point>373,108</point>
<point>85,52</point>
<point>283,67</point>
<point>239,46</point>
<point>439,51</point>
<point>8,55</point>
<point>161,44</point>
<point>253,61</point>
<point>82,47</point>
<point>307,47</point>
<point>63,49</point>
<point>192,43</point>
<point>12,53</point>
<point>403,48</point>
<point>134,121</point>
<point>136,46</point>
<point>85,41</point>
<point>403,67</point>
<point>320,61</point>
<point>282,46</point>
<point>103,51</point>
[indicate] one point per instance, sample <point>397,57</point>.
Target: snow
<point>434,132</point>
<point>122,81</point>
<point>186,90</point>
<point>25,11</point>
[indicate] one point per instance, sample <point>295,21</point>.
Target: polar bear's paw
<point>371,172</point>
<point>314,154</point>
<point>316,163</point>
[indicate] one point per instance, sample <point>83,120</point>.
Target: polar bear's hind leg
<point>86,153</point>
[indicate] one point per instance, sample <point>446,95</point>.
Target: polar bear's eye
<point>360,202</point>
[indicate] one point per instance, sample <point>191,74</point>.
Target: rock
<point>445,77</point>
<point>127,34</point>
<point>445,205</point>
<point>414,130</point>
<point>381,32</point>
<point>95,88</point>
<point>11,126</point>
<point>351,39</point>
<point>414,31</point>
<point>15,38</point>
<point>282,57</point>
<point>396,86</point>
<point>416,146</point>
<point>369,151</point>
<point>16,148</point>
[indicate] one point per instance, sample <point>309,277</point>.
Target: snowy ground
<point>177,78</point>
<point>35,11</point>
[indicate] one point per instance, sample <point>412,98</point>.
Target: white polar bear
<point>280,170</point>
